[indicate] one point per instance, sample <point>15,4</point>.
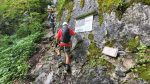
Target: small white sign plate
<point>84,25</point>
<point>110,51</point>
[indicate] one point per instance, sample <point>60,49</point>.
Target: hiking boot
<point>68,68</point>
<point>60,64</point>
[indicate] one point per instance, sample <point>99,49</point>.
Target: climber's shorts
<point>66,49</point>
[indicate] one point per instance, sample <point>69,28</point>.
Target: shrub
<point>5,41</point>
<point>14,60</point>
<point>23,31</point>
<point>35,27</point>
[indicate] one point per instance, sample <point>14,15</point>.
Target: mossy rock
<point>107,7</point>
<point>95,54</point>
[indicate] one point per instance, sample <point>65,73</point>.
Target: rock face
<point>135,22</point>
<point>89,6</point>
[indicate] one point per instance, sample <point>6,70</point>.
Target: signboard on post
<point>84,25</point>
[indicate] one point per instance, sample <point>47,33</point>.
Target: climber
<point>51,18</point>
<point>63,38</point>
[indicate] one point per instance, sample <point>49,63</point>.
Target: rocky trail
<point>47,68</point>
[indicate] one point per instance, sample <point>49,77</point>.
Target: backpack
<point>66,37</point>
<point>51,17</point>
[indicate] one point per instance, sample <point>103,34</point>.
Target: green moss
<point>82,3</point>
<point>100,19</point>
<point>121,9</point>
<point>110,43</point>
<point>91,36</point>
<point>86,14</point>
<point>60,7</point>
<point>64,5</point>
<point>107,6</point>
<point>133,43</point>
<point>69,6</point>
<point>95,56</point>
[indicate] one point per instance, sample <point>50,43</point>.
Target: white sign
<point>84,24</point>
<point>110,51</point>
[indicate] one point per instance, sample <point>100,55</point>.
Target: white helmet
<point>65,23</point>
<point>48,6</point>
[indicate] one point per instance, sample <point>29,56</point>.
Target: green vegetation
<point>95,56</point>
<point>144,72</point>
<point>143,61</point>
<point>14,13</point>
<point>60,8</point>
<point>82,3</point>
<point>91,36</point>
<point>21,28</point>
<point>106,6</point>
<point>69,7</point>
<point>143,57</point>
<point>64,5</point>
<point>133,43</point>
<point>14,59</point>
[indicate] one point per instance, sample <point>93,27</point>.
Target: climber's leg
<point>67,58</point>
<point>59,51</point>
